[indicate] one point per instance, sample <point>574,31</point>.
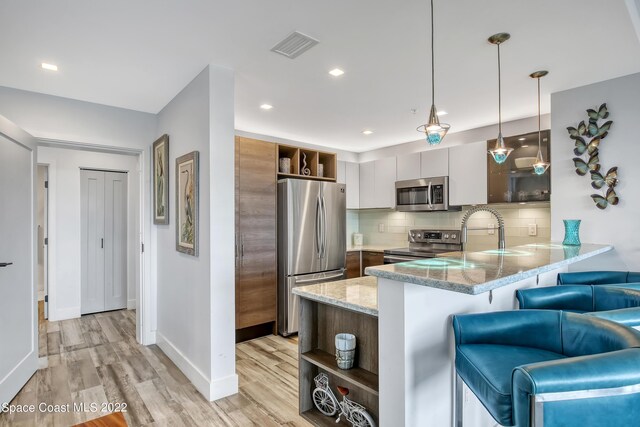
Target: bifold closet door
<point>104,241</point>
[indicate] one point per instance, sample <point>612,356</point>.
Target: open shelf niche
<point>298,156</point>
<point>319,324</point>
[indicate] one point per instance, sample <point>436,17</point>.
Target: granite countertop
<point>478,272</point>
<point>370,248</point>
<point>359,294</point>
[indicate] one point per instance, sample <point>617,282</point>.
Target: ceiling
<point>140,54</point>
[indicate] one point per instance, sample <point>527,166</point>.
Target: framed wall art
<point>187,195</point>
<point>161,180</point>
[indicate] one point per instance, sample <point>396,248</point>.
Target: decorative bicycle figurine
<point>326,402</point>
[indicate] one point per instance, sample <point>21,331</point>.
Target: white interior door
<point>92,219</point>
<point>104,240</point>
<point>115,250</point>
<point>18,299</point>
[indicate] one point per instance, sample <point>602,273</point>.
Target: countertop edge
<point>334,302</point>
<point>481,287</point>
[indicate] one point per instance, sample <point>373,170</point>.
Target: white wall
<point>515,127</point>
<point>93,126</point>
<point>196,313</point>
<point>64,216</point>
<point>617,225</point>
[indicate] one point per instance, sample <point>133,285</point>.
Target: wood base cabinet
<point>256,275</point>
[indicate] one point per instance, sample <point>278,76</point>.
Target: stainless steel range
<point>425,244</point>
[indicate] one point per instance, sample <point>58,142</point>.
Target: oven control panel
<point>434,236</point>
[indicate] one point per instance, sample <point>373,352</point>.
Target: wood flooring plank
<point>96,358</point>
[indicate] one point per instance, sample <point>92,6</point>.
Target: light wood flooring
<point>96,359</point>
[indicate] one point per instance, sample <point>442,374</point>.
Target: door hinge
<point>46,298</point>
<point>142,247</point>
<point>46,240</point>
<point>46,184</point>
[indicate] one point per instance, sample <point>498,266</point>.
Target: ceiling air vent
<point>294,45</point>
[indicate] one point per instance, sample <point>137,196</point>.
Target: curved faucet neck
<point>475,209</point>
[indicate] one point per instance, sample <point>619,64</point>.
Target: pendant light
<point>500,152</point>
<point>434,130</point>
<point>540,166</point>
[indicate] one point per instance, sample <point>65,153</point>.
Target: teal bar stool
<point>619,303</point>
<point>598,278</point>
<point>548,368</point>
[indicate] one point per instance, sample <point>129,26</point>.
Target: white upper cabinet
<point>408,166</point>
<point>434,163</point>
<point>367,185</point>
<point>378,183</point>
<point>341,176</point>
<point>352,180</point>
<point>468,174</point>
<point>385,183</point>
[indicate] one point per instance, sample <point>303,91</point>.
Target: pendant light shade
<point>500,152</point>
<point>540,166</point>
<point>434,130</point>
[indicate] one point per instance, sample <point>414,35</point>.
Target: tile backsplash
<point>390,228</point>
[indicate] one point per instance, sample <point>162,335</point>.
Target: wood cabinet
<point>468,174</point>
<point>353,264</point>
<point>322,166</point>
<point>371,259</point>
<point>378,183</point>
<point>256,275</point>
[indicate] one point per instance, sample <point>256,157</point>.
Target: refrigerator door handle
<point>318,227</point>
<point>324,227</point>
<point>320,279</point>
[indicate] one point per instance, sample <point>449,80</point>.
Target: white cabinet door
<point>341,175</point>
<point>434,163</point>
<point>468,174</point>
<point>385,183</point>
<point>367,185</point>
<point>408,166</point>
<point>352,181</point>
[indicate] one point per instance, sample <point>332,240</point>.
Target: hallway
<point>95,359</point>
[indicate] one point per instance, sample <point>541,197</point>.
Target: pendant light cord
<point>433,69</point>
<point>499,94</point>
<point>539,124</point>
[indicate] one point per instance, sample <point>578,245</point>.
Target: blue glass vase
<point>571,232</point>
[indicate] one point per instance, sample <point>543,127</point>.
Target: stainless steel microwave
<point>423,195</point>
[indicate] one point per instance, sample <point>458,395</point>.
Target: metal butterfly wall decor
<point>588,160</point>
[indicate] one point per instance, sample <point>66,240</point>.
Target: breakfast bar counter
<point>416,301</point>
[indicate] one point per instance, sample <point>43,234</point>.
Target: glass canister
<point>571,232</point>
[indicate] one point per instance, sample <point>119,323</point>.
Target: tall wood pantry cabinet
<point>256,263</point>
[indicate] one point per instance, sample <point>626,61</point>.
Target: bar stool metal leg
<point>459,401</point>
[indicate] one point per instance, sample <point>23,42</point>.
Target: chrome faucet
<point>473,210</point>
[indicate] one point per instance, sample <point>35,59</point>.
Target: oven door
<point>423,195</point>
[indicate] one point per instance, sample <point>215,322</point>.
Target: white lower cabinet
<point>468,174</point>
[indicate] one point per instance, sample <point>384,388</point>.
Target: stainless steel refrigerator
<point>311,241</point>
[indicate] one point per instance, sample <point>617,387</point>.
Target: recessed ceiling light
<point>266,106</point>
<point>525,146</point>
<point>50,67</point>
<point>367,132</point>
<point>442,113</point>
<point>336,72</point>
<point>522,139</point>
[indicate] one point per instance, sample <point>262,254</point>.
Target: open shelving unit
<point>311,159</point>
<point>319,324</point>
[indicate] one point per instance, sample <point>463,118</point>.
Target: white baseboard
<point>223,387</point>
<point>131,304</point>
<point>64,313</point>
<point>211,390</point>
